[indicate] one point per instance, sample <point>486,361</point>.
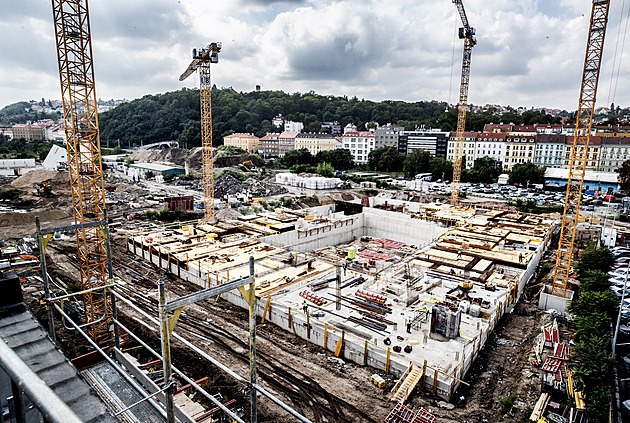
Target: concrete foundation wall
<point>400,227</point>
<point>303,240</point>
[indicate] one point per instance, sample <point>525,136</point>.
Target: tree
<point>441,168</point>
<point>416,162</point>
<point>624,175</point>
<point>297,157</point>
<point>374,157</point>
<point>325,169</point>
<point>593,258</point>
<point>526,173</point>
<point>595,280</point>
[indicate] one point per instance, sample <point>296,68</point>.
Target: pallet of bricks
<point>402,414</point>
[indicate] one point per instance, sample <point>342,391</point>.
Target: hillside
<point>22,112</point>
<point>175,115</point>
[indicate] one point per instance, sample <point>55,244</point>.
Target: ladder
<point>402,392</point>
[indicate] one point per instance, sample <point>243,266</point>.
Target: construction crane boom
<point>467,33</point>
<point>579,150</point>
<point>76,74</point>
<point>201,61</point>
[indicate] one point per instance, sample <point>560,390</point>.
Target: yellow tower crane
<point>466,33</point>
<point>76,73</point>
<point>579,150</point>
<point>201,61</point>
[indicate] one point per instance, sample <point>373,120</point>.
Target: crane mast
<point>579,150</point>
<point>76,74</point>
<point>201,61</point>
<point>467,33</point>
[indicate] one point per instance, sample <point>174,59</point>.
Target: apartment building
<point>315,142</point>
<point>613,152</point>
<point>247,142</point>
<point>270,145</point>
<point>592,155</point>
<point>286,142</point>
<point>29,132</point>
<point>489,144</point>
<point>360,144</point>
<point>387,136</point>
<point>468,147</point>
<point>549,150</point>
<point>519,148</point>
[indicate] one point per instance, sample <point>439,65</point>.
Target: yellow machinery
<point>247,166</point>
<point>201,61</point>
<point>378,381</point>
<point>579,151</point>
<point>76,74</point>
<point>44,189</point>
<point>467,33</point>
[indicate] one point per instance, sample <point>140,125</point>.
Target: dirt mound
<point>227,184</point>
<point>60,181</point>
<point>231,161</point>
<point>227,214</point>
<point>264,189</point>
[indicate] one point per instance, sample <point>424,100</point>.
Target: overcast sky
<point>529,53</point>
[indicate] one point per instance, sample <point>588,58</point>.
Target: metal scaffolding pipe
<point>46,401</point>
<point>182,375</point>
<point>128,378</point>
<point>215,362</point>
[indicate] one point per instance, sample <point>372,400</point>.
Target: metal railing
<point>25,381</point>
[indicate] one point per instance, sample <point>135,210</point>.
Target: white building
<point>56,159</point>
<point>360,144</point>
<point>293,126</point>
<point>489,145</point>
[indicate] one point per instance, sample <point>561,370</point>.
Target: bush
<point>239,176</point>
<point>11,194</point>
<point>165,215</point>
<point>507,403</point>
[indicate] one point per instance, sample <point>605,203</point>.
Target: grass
<point>507,403</point>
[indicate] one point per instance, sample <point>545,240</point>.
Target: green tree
<point>325,169</point>
<point>593,258</point>
<point>297,157</point>
<point>441,168</point>
<point>595,280</point>
<point>526,173</point>
<point>624,175</point>
<point>416,162</point>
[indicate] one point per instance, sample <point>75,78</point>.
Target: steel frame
<point>469,43</point>
<point>76,75</point>
<point>579,150</point>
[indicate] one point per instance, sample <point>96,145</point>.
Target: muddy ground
<point>306,377</point>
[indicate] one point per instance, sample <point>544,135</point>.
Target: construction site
<point>261,303</point>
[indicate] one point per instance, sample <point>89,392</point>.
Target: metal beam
<point>204,294</point>
<point>73,227</point>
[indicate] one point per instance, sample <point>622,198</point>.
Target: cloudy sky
<point>529,53</point>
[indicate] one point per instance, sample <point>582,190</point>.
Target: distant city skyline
<point>529,54</point>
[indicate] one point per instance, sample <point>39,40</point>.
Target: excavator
<point>43,189</point>
<point>247,166</point>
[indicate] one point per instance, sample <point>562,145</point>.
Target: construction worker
<point>408,323</point>
<point>426,312</point>
<point>305,307</point>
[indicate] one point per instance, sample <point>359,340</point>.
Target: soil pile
<point>264,189</point>
<point>60,181</point>
<point>227,184</point>
<point>227,214</point>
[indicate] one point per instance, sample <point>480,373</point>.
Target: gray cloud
<point>530,52</point>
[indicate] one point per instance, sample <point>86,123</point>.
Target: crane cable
<point>614,77</point>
